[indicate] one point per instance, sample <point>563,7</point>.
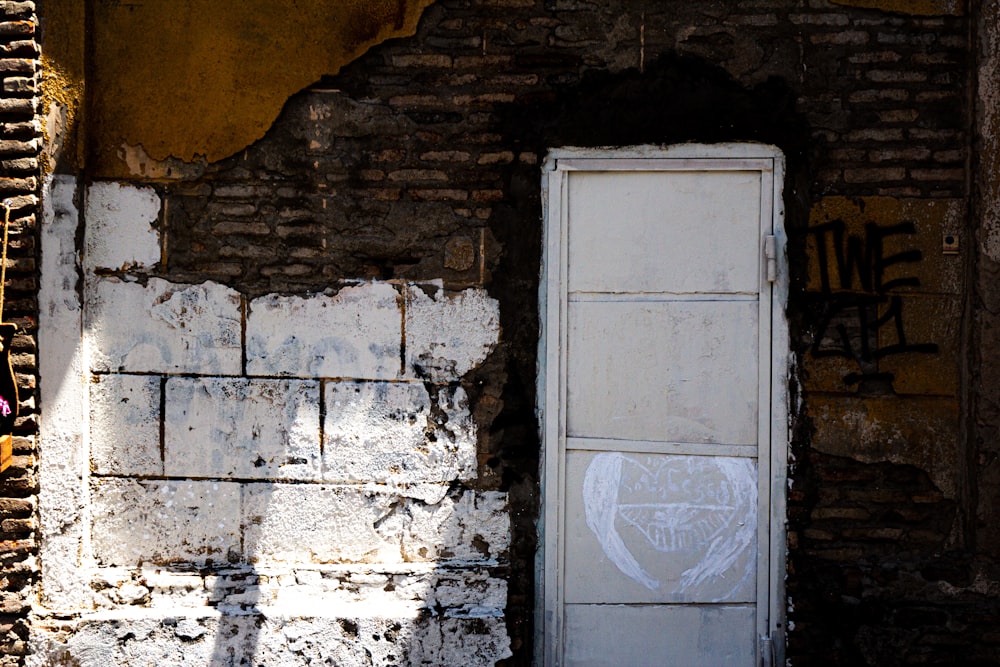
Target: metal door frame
<point>774,352</point>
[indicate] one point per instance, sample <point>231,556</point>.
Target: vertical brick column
<point>20,142</point>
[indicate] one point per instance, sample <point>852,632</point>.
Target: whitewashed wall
<point>230,480</point>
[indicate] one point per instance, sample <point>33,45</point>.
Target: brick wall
<point>433,143</point>
<point>20,141</point>
<point>419,163</point>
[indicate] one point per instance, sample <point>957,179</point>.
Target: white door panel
<point>663,231</point>
<point>644,528</point>
<point>681,371</point>
<point>606,636</point>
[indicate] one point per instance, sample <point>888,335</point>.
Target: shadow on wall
<point>676,99</point>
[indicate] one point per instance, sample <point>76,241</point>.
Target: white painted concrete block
<point>454,641</point>
<point>350,642</point>
<point>308,523</point>
<point>163,327</point>
<point>473,527</point>
<point>237,427</point>
<point>120,228</point>
<point>208,638</point>
<point>164,521</point>
<point>465,593</point>
<point>448,335</point>
<point>130,642</point>
<point>125,425</point>
<point>62,369</point>
<point>381,640</point>
<point>355,334</point>
<point>396,433</point>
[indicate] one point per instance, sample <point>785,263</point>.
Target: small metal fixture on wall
<point>8,383</point>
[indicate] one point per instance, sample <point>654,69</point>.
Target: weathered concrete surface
<point>355,334</point>
<point>988,126</point>
<point>120,230</point>
<point>125,425</point>
<point>163,327</point>
<point>397,433</point>
<point>886,297</point>
<point>984,454</point>
<point>918,431</point>
<point>449,334</point>
<point>242,428</point>
<point>280,640</point>
<point>63,369</point>
<point>872,238</point>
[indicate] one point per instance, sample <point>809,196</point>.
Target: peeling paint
<point>207,78</point>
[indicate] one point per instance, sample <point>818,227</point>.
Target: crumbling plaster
<point>260,476</point>
<point>206,78</point>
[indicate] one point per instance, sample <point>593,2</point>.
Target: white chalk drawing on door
<point>679,504</point>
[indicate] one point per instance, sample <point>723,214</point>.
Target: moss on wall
<point>62,82</point>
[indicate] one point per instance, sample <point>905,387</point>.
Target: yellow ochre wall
<point>198,80</point>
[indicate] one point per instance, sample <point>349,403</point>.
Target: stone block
<point>190,522</point>
<point>125,425</point>
<point>397,433</point>
<point>163,327</point>
<point>309,523</point>
<point>352,637</point>
<point>474,526</point>
<point>355,334</point>
<point>381,639</point>
<point>121,226</point>
<point>369,637</point>
<point>242,428</point>
<point>447,335</point>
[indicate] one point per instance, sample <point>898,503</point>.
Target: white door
<point>662,395</point>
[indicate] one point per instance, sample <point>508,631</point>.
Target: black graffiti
<point>857,308</point>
